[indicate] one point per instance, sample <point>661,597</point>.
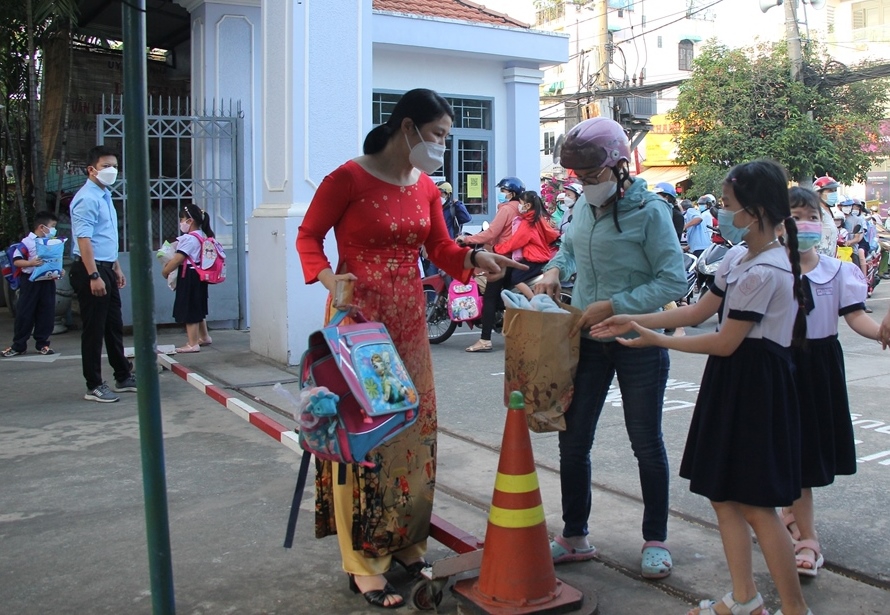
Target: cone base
<point>566,599</point>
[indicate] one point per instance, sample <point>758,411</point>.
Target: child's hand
<point>612,326</point>
<point>647,338</point>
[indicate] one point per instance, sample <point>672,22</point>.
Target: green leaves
<point>741,104</point>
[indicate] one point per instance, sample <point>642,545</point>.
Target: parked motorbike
<point>710,260</point>
<point>690,264</point>
<point>439,324</point>
<point>872,265</point>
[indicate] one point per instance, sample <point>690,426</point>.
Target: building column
<point>523,102</point>
<point>226,65</point>
<point>315,110</point>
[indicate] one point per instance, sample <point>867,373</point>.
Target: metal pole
<point>792,37</point>
<point>151,440</point>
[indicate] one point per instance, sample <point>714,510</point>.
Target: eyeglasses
<point>591,177</point>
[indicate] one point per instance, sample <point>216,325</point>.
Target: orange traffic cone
<point>517,574</point>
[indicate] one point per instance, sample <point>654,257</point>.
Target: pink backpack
<point>464,302</point>
<point>212,268</point>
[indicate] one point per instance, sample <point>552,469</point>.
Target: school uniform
<point>832,289</point>
<point>36,305</point>
<point>190,302</point>
<point>744,438</point>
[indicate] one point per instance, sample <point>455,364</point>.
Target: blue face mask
<point>831,198</point>
<point>50,232</point>
<point>728,229</point>
<point>703,208</point>
<point>502,198</point>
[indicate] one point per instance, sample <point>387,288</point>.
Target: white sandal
<point>706,607</point>
<point>480,346</point>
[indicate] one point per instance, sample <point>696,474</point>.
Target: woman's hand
<point>596,312</point>
<point>494,266</point>
<point>329,280</point>
<point>548,284</point>
<point>613,326</point>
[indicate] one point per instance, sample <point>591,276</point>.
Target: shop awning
<point>671,175</point>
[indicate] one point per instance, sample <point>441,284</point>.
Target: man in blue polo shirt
<point>697,237</point>
<point>97,278</point>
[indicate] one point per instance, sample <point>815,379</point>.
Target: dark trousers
<point>642,377</point>
<point>491,300</point>
<point>35,311</point>
<point>102,322</point>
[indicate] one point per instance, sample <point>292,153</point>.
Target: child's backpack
<point>8,269</point>
<point>355,395</point>
<point>464,301</point>
<point>212,268</point>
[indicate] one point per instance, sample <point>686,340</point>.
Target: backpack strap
<point>295,503</point>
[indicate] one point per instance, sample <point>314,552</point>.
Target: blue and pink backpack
<point>355,395</point>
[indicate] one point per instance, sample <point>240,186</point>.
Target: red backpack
<point>212,267</point>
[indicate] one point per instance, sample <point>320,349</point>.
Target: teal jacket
<point>639,269</point>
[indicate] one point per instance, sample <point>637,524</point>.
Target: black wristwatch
<point>94,275</point>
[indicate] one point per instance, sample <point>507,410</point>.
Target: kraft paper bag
<point>541,360</point>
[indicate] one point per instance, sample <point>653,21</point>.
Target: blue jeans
<point>642,377</point>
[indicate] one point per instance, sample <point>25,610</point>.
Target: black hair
<point>531,197</point>
<point>198,215</point>
<point>98,152</point>
<point>422,106</point>
<point>43,218</point>
<point>802,198</point>
<point>761,188</point>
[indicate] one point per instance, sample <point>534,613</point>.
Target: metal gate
<point>194,157</point>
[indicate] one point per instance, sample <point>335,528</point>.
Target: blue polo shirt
<point>93,215</point>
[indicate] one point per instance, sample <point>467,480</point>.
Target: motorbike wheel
<point>438,326</point>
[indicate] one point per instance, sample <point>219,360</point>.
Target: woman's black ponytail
<point>422,106</point>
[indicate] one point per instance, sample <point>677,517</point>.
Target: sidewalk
<point>72,522</point>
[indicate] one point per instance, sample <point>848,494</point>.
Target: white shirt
<point>190,245</point>
<point>838,288</point>
<point>760,290</point>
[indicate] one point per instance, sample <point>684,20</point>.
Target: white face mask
<point>569,202</point>
<point>426,156</point>
<point>107,176</point>
<point>184,226</point>
<point>598,194</point>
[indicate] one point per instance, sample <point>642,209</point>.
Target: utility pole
<point>602,37</point>
<point>792,38</point>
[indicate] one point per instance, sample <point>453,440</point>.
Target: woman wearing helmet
<point>573,192</point>
<point>826,187</point>
<point>500,231</point>
<point>628,261</point>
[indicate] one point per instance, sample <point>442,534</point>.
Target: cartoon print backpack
<point>212,268</point>
<point>355,395</point>
<point>360,393</point>
<point>8,269</point>
<point>464,302</point>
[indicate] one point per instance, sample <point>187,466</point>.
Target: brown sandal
<point>480,346</point>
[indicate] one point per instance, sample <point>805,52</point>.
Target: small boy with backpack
<point>36,305</point>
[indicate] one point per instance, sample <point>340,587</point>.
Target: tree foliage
<point>740,104</point>
<point>25,27</point>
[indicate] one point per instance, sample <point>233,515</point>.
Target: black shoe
<point>377,597</point>
<point>11,352</point>
<point>868,310</point>
<point>413,569</point>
